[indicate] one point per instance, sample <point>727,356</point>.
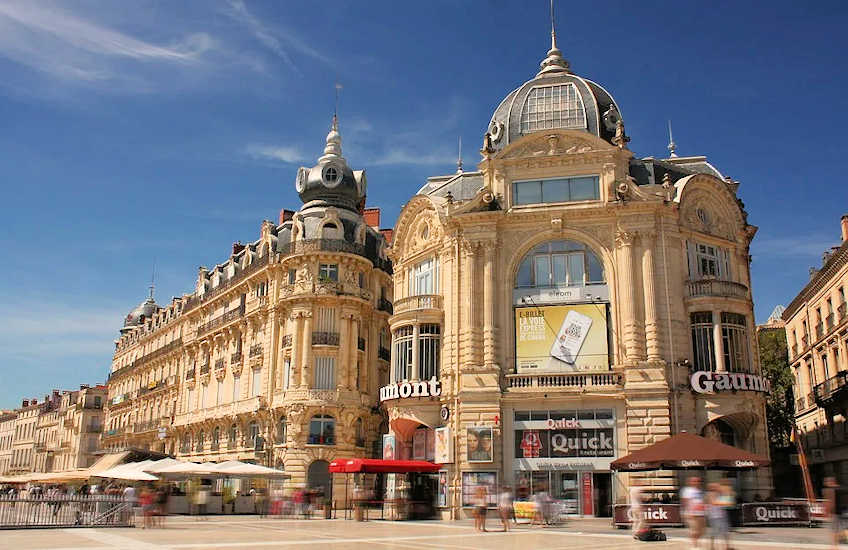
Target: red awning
<point>373,465</point>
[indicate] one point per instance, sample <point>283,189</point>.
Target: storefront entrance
<point>580,493</point>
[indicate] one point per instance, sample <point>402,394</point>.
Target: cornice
<point>836,261</point>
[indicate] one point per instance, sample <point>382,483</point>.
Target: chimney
<point>844,223</point>
<point>285,215</point>
<point>237,247</point>
<point>25,403</point>
<point>372,217</point>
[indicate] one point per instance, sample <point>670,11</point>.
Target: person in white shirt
<point>692,501</point>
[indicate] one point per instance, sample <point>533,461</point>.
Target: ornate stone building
<point>277,355</point>
<point>817,338</point>
<point>574,303</point>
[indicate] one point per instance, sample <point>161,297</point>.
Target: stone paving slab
<point>248,532</point>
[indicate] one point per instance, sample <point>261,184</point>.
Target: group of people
<point>150,504</point>
<point>708,510</point>
<point>544,507</point>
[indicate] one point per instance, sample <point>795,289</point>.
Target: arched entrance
<point>318,477</point>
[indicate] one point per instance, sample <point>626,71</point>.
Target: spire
<point>554,62</point>
<point>152,283</point>
<point>333,149</point>
<point>459,158</point>
<point>671,145</point>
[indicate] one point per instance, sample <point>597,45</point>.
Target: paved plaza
<point>223,533</point>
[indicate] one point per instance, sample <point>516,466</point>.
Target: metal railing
<point>800,404</point>
<point>325,338</point>
<point>564,380</point>
<point>716,287</point>
<point>235,358</point>
<point>830,387</point>
<point>189,375</point>
<point>335,245</point>
<point>65,511</point>
<point>221,320</point>
<point>95,429</point>
<point>255,349</point>
<point>204,368</point>
<point>219,363</point>
<point>287,340</point>
<point>239,277</point>
<point>385,305</point>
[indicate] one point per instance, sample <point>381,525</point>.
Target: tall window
<point>252,433</point>
<point>256,383</point>
<point>703,345</point>
<point>707,261</point>
<point>236,388</point>
<point>429,344</point>
<point>216,438</point>
<point>735,339</point>
<point>219,392</point>
<point>204,394</point>
<point>581,188</point>
<point>328,272</point>
<point>232,436</point>
<point>825,369</point>
<point>282,430</point>
<point>359,433</point>
<point>322,430</point>
<point>325,373</point>
<point>559,263</point>
<point>558,106</point>
<point>424,280</point>
<point>286,373</point>
<point>326,319</point>
<point>201,438</point>
<point>402,356</point>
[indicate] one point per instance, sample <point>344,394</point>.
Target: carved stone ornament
<point>698,212</point>
<point>303,278</point>
<point>552,145</point>
<point>624,238</point>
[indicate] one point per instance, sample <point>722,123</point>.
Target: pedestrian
<point>717,519</point>
<point>636,510</point>
<point>481,503</point>
<point>505,506</point>
<point>131,499</point>
<point>829,494</point>
<point>692,501</point>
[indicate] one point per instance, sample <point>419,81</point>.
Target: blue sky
<point>141,132</point>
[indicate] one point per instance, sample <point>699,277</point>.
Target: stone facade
<point>277,355</point>
<point>642,222</point>
<point>817,339</point>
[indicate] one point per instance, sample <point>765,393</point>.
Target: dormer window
<point>549,107</point>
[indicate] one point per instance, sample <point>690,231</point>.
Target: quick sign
<point>714,382</point>
<point>775,513</point>
<point>656,514</point>
<point>402,390</point>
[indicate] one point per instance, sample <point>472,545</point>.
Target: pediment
<point>555,143</point>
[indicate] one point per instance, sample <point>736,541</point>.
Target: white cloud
<point>64,45</point>
<point>275,152</point>
<point>403,156</point>
<point>270,38</point>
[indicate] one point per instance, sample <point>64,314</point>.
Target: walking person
<point>692,501</point>
<point>481,503</point>
<point>505,508</point>
<point>717,519</point>
<point>636,510</point>
<point>829,494</point>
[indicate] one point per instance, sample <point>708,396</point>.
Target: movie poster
<point>443,446</point>
<point>479,444</point>
<point>389,447</point>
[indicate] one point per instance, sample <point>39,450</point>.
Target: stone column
<point>295,332</point>
<point>489,285</point>
<point>652,342</point>
<point>626,300</point>
<point>306,350</point>
<point>718,343</point>
<point>416,332</point>
<point>344,352</point>
<point>469,265</point>
<point>354,352</point>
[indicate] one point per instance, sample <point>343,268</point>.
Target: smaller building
<point>7,435</point>
<point>817,337</point>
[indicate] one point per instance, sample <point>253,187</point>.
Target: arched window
<point>282,430</point>
<point>558,106</point>
<point>216,438</point>
<point>559,263</point>
<point>322,430</point>
<point>185,444</point>
<point>232,435</point>
<point>200,442</point>
<point>359,432</point>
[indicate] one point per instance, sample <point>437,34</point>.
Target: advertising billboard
<point>562,338</point>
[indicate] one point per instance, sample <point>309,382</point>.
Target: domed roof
<point>331,182</point>
<point>554,98</point>
<point>141,313</point>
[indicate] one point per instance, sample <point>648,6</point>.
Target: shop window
<point>703,345</point>
<point>322,430</point>
<point>429,344</point>
<point>734,335</point>
<point>402,356</point>
<point>559,263</point>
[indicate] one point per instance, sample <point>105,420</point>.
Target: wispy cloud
<point>52,40</point>
<point>410,157</point>
<point>811,246</point>
<point>284,153</point>
<point>278,41</point>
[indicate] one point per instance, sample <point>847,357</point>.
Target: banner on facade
<point>652,514</point>
<point>443,446</point>
<point>561,338</point>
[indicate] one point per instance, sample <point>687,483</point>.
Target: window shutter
<point>692,258</point>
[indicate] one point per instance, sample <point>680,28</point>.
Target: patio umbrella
<point>158,465</point>
<point>236,468</point>
<point>686,451</point>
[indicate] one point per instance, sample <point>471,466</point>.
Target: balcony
<point>189,375</point>
<point>257,264</point>
<point>385,305</point>
<point>419,302</point>
<point>805,342</point>
<point>831,390</point>
<point>565,382</point>
<point>334,245</point>
<point>325,338</point>
<point>830,321</point>
<point>716,288</point>
<point>221,320</point>
<point>800,404</point>
<point>287,341</point>
<point>146,426</point>
<point>204,369</point>
<point>384,354</point>
<point>235,358</point>
<point>794,350</point>
<point>255,350</point>
<point>819,331</point>
<point>219,364</point>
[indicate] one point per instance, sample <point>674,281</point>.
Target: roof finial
<point>459,158</point>
<point>333,149</point>
<point>152,282</point>
<point>554,62</point>
<point>671,145</point>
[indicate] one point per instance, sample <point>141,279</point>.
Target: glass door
<point>566,489</point>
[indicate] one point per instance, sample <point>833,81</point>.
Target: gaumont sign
<point>654,514</point>
<point>714,382</point>
<point>420,388</point>
<point>775,513</point>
